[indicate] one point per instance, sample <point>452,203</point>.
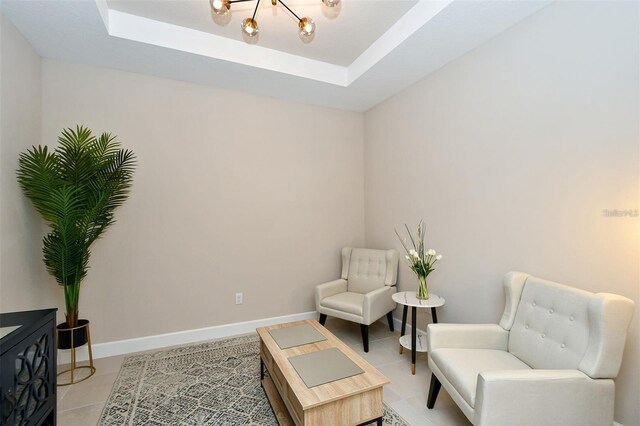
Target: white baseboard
<point>397,324</point>
<point>121,347</point>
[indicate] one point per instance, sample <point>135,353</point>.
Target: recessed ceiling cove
<point>362,51</point>
<point>344,33</point>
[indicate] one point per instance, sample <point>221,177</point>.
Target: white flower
<point>431,252</point>
<point>406,257</point>
<point>438,257</point>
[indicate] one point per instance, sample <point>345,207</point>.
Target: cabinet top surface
<point>5,331</point>
<point>13,324</point>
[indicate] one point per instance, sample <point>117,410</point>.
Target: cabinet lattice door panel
<point>28,367</point>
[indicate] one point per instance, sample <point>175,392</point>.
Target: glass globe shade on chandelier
<point>306,25</point>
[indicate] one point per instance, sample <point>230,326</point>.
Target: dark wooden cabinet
<point>28,368</point>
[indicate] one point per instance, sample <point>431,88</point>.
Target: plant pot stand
<point>71,339</point>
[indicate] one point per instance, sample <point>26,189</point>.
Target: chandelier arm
<point>255,11</point>
<point>239,1</point>
<point>287,7</point>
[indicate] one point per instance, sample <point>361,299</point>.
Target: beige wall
<point>21,271</point>
<point>233,193</point>
<point>510,154</point>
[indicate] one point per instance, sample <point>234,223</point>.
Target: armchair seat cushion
<point>462,366</point>
<point>345,302</point>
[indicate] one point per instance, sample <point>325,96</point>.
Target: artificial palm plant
<point>76,189</point>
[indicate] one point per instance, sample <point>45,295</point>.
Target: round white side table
<point>416,342</point>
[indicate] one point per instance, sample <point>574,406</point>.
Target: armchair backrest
<point>553,326</point>
<point>366,269</point>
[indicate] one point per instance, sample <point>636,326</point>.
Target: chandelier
<point>249,26</point>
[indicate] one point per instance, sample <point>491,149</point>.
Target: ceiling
<point>363,51</point>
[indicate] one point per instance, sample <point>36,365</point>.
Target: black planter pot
<point>79,334</point>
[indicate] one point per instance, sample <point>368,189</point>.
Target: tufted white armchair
<point>550,361</point>
<point>363,293</point>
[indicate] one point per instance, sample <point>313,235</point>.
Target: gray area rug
<point>213,383</point>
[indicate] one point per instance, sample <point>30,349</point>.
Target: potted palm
<point>76,189</point>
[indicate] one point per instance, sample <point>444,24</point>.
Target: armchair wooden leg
<point>433,391</point>
<point>323,319</point>
<point>390,320</point>
<point>364,329</point>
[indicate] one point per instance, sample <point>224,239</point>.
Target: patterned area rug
<point>214,383</point>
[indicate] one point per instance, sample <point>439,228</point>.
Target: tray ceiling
<point>342,33</point>
<point>362,53</point>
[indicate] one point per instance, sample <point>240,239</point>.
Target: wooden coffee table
<point>351,401</point>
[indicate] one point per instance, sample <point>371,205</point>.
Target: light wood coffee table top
<point>328,392</point>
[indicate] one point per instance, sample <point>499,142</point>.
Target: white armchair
<point>550,361</point>
<point>363,293</point>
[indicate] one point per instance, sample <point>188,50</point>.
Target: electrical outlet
<point>238,298</point>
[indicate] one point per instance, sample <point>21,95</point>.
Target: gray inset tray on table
<point>297,335</point>
<point>335,365</point>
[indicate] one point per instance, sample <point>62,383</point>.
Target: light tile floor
<point>81,404</point>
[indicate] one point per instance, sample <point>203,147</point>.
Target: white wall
<point>510,154</point>
<point>21,270</point>
<point>233,193</point>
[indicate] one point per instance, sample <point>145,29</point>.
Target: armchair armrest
<point>378,303</point>
<point>470,336</point>
<point>329,289</point>
<point>550,397</point>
